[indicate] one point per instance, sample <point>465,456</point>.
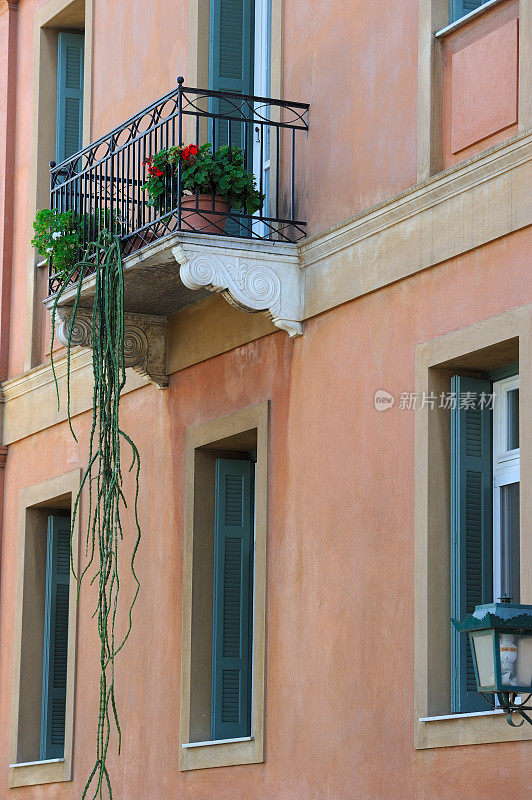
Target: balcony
<point>178,250</point>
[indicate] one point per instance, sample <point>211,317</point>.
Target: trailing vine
<point>103,476</point>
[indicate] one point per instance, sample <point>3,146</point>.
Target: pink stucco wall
<point>341,495</point>
<point>139,50</point>
<point>340,558</point>
<point>356,63</point>
<point>480,83</point>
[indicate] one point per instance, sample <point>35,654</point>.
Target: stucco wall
<point>139,50</point>
<point>356,64</point>
<point>339,663</point>
<point>357,68</point>
<point>480,83</point>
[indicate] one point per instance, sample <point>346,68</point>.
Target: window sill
<point>217,742</point>
<point>35,773</point>
<point>34,763</point>
<point>461,716</point>
<point>459,23</point>
<point>220,753</point>
<point>454,730</point>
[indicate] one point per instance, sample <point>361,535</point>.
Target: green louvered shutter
<point>69,125</point>
<point>55,638</point>
<point>231,58</point>
<point>459,8</point>
<point>471,527</point>
<point>233,598</point>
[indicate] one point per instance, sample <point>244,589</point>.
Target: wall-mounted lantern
<point>500,637</point>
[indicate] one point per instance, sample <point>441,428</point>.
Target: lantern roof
<point>511,617</point>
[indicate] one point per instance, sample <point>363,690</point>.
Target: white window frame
<point>506,468</point>
<point>261,88</point>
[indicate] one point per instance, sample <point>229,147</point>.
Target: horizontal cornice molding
<point>456,211</point>
<point>42,376</point>
<point>30,401</point>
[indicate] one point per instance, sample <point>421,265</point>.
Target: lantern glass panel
<point>524,660</point>
<point>516,661</point>
<point>484,653</point>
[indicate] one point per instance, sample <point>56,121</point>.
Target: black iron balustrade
<point>103,182</point>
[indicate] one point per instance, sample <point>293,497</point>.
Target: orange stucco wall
<point>20,212</point>
<point>8,47</point>
<point>340,558</point>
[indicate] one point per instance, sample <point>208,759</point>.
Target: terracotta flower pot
<point>212,222</point>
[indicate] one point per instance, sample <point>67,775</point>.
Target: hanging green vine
<point>103,475</point>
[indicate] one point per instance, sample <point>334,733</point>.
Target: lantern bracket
<point>508,704</point>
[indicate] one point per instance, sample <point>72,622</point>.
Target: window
<point>490,350</point>
<point>484,513</point>
<point>45,635</point>
<point>59,111</point>
<point>69,119</point>
<point>506,480</point>
<point>55,647</point>
<point>232,599</point>
<point>239,61</point>
<point>459,8</point>
<point>231,60</point>
<point>224,584</point>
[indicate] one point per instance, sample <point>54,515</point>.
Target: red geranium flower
<point>194,150</point>
<point>154,171</point>
<point>185,154</point>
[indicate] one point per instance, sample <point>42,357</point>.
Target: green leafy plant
<point>59,235</point>
<point>105,532</point>
<point>220,173</point>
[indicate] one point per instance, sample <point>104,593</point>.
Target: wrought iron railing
<point>103,182</point>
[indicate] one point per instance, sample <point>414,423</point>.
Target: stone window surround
<point>478,347</point>
<point>57,492</point>
<point>208,435</point>
<point>434,19</point>
<point>53,16</point>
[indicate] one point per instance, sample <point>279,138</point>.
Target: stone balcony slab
<point>169,274</point>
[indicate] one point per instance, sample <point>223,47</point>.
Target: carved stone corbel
<point>253,275</point>
<point>144,340</point>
